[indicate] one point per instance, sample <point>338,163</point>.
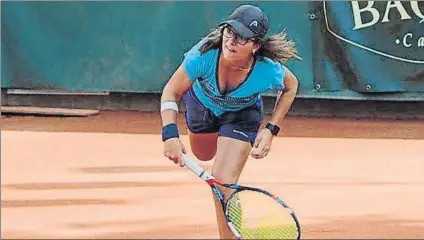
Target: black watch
<point>273,128</point>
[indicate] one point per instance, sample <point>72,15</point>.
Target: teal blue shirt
<point>202,72</point>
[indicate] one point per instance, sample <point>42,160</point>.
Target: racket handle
<point>196,168</point>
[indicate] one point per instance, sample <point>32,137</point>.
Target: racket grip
<point>196,168</point>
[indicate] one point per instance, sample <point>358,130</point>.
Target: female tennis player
<point>221,80</point>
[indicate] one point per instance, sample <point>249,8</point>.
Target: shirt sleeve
<point>279,76</point>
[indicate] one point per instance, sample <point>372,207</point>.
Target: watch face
<point>274,129</point>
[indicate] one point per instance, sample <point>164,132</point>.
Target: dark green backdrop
<point>136,46</point>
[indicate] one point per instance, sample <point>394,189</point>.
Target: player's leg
<point>229,163</point>
<point>202,129</point>
<point>236,137</point>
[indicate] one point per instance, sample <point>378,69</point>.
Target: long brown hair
<point>275,47</point>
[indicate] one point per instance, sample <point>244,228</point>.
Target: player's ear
<point>256,47</point>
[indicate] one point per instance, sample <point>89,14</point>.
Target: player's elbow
<point>291,83</point>
<point>177,85</point>
<point>169,93</point>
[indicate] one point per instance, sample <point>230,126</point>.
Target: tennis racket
<point>251,213</point>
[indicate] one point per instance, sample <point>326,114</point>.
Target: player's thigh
<point>202,128</point>
<point>231,156</point>
<point>236,136</point>
<point>203,145</point>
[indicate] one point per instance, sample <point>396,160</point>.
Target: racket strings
<point>255,215</point>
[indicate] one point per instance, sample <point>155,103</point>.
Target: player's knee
<point>203,146</point>
<point>204,155</point>
<point>204,149</point>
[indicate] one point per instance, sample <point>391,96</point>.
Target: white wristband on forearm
<point>169,105</point>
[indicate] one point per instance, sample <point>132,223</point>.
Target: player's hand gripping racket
<point>251,213</point>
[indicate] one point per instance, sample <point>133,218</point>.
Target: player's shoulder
<point>198,64</point>
<point>269,67</point>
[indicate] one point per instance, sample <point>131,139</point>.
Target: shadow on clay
<point>59,202</point>
<point>139,184</point>
<point>92,185</point>
<point>113,224</point>
<point>129,169</point>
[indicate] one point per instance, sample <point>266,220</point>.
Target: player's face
<point>235,47</point>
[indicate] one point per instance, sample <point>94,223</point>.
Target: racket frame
<point>212,182</point>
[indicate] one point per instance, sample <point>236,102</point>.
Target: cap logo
<point>254,23</point>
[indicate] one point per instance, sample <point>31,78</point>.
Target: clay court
<point>105,176</point>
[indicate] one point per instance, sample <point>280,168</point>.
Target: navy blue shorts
<point>242,125</point>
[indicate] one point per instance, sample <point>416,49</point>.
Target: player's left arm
<point>285,98</point>
<point>284,101</point>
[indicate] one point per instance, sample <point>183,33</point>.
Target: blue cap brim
<point>240,28</point>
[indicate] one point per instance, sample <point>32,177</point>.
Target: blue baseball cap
<point>248,21</point>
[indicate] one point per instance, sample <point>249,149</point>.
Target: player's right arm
<point>193,67</point>
<point>174,89</point>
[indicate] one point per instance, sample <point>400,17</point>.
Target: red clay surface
<point>105,177</point>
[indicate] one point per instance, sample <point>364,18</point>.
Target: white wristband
<point>169,105</point>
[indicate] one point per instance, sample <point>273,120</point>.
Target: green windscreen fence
<point>349,49</point>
